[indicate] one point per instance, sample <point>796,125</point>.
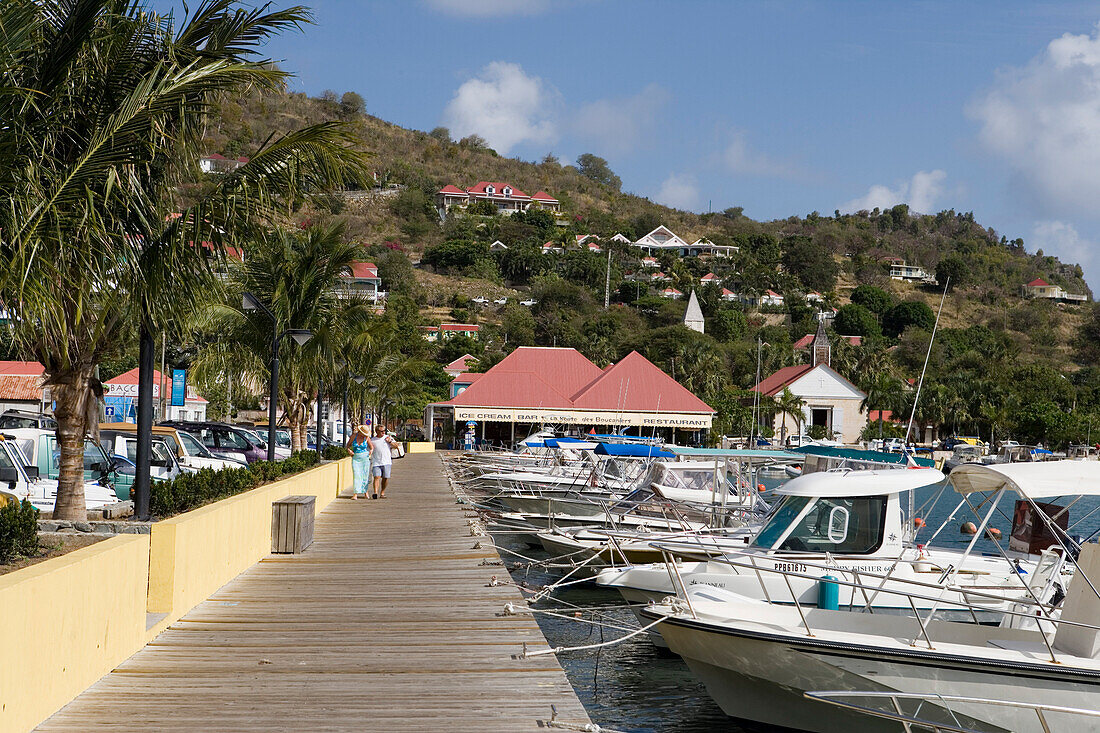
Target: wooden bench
<point>292,523</point>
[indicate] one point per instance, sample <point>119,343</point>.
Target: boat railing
<point>1034,611</point>
<point>923,706</point>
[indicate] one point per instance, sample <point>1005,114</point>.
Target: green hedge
<point>18,531</point>
<point>335,453</point>
<point>192,490</point>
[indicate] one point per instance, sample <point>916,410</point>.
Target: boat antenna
<point>920,384</point>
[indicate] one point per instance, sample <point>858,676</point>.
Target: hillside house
<point>507,198</point>
<point>219,164</point>
<point>902,271</point>
<point>710,277</point>
<point>649,262</point>
<point>664,239</point>
<point>1040,288</point>
<point>498,246</point>
<point>770,297</point>
<point>460,365</point>
<point>552,248</point>
<point>621,239</point>
<point>363,280</point>
<point>445,331</point>
<point>671,293</point>
<point>729,296</point>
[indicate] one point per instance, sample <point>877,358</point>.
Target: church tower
<point>821,351</point>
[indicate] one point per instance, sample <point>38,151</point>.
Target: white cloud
<point>1061,239</point>
<point>679,191</point>
<point>920,192</point>
<point>505,106</point>
<point>620,125</point>
<point>1043,121</point>
<point>740,158</point>
<point>488,8</point>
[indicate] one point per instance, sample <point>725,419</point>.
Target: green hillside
<point>988,324</point>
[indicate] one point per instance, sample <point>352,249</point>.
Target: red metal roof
<point>561,378</point>
<point>776,382</point>
<point>635,384</point>
<point>543,196</point>
<point>498,187</point>
<point>460,364</point>
<point>887,416</point>
<point>23,368</point>
<point>708,277</point>
<point>22,387</point>
<point>459,327</point>
<point>452,189</point>
<point>364,271</point>
<point>468,377</point>
<point>1038,283</point>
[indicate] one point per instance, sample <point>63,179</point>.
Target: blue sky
<point>780,107</point>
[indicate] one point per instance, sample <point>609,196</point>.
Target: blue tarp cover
<point>632,450</point>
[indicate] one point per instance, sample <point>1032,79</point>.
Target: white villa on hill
<point>1040,288</point>
<point>664,239</point>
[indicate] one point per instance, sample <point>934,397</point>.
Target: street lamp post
<point>301,336</point>
<point>320,389</point>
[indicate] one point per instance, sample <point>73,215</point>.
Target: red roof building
<point>121,395</point>
<point>543,385</point>
<point>460,365</point>
<point>804,343</point>
<point>24,368</point>
<point>507,197</point>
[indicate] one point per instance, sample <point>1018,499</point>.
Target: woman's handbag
<point>397,451</point>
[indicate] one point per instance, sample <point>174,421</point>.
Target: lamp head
<point>301,336</point>
<point>359,379</point>
<point>250,302</point>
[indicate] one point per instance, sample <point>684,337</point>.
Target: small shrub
<point>18,531</point>
<point>191,490</point>
<point>335,453</point>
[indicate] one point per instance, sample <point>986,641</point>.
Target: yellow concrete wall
<point>413,446</point>
<point>66,622</point>
<point>193,554</point>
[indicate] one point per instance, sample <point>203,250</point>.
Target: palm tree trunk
<point>71,392</point>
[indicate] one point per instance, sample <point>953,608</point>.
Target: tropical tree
<point>298,275</point>
<point>788,403</point>
<point>102,103</point>
<point>883,392</point>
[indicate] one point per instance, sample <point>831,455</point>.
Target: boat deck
<point>386,622</point>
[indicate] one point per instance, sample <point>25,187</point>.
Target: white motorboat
<point>757,659</point>
<point>835,525</point>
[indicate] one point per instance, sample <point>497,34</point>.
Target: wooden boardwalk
<point>386,623</point>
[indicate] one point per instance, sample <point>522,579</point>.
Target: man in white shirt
<point>381,460</point>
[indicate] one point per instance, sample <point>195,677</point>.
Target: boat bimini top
<point>1042,480</point>
<point>850,483</point>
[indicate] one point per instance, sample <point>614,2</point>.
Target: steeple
<point>821,351</point>
<point>693,316</point>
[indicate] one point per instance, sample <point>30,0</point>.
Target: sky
<point>781,107</point>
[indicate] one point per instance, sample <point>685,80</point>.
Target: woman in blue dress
<point>360,448</point>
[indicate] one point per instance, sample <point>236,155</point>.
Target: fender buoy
<point>918,522</point>
<point>761,487</point>
<point>968,528</point>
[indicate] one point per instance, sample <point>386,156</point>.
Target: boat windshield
<point>843,525</point>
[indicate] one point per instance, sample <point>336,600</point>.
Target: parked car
<point>19,481</point>
<point>311,440</point>
<point>261,439</point>
<point>41,450</point>
<point>163,465</point>
<point>797,441</point>
<point>24,419</point>
<point>956,440</point>
<point>223,439</point>
<point>409,433</point>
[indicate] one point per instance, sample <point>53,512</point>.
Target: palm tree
<point>883,392</point>
<point>299,276</point>
<point>102,103</point>
<point>788,403</point>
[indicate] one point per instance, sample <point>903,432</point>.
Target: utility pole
<point>607,281</point>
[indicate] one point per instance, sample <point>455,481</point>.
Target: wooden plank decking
<point>384,623</point>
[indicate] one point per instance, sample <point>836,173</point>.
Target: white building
<point>121,394</point>
<point>831,401</point>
